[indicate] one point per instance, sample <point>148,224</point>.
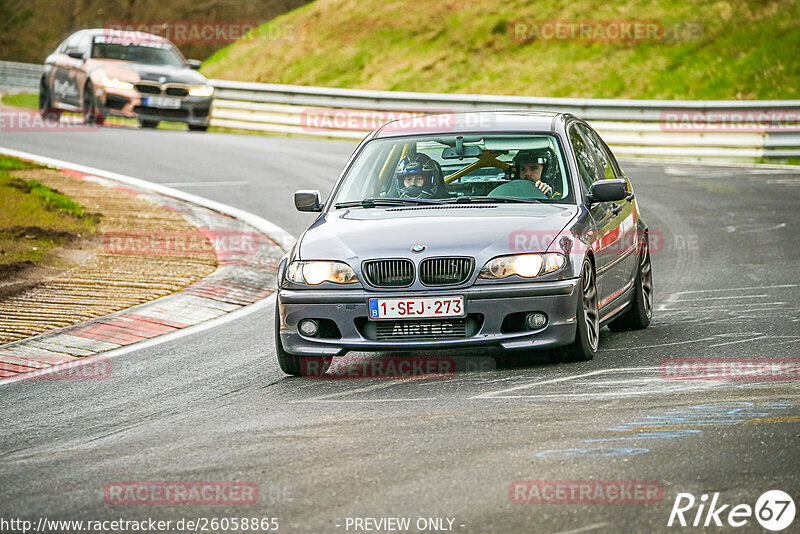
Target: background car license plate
<point>416,307</point>
<point>163,102</point>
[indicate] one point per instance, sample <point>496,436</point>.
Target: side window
<point>587,167</point>
<point>600,152</point>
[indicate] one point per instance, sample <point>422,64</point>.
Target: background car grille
<point>445,271</point>
<point>177,91</point>
<point>148,89</point>
<point>407,330</point>
<point>389,273</point>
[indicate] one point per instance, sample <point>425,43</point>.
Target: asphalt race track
<point>214,406</point>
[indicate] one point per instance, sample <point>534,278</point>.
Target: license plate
<point>162,102</point>
<point>407,308</point>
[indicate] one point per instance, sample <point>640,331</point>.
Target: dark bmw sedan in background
<point>512,230</point>
<point>105,72</point>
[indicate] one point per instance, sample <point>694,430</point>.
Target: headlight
<point>115,83</point>
<point>203,90</point>
<point>316,272</point>
<point>524,265</point>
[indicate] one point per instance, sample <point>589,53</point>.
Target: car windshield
<point>457,168</point>
<point>150,53</point>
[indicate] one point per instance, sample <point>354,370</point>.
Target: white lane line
<point>372,387</point>
<point>492,394</point>
<point>587,528</point>
<point>205,184</point>
<point>703,299</point>
<point>779,286</point>
<point>177,334</point>
<point>740,341</point>
<point>283,238</point>
<point>664,344</point>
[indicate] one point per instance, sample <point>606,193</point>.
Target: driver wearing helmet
<point>539,167</point>
<point>418,176</point>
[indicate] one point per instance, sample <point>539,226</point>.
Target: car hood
<point>477,230</point>
<point>133,72</point>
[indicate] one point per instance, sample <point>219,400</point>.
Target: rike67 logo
<point>774,510</point>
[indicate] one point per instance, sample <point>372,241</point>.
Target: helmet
<point>543,156</point>
<point>421,164</point>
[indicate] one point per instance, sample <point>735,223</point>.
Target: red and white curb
<point>246,274</point>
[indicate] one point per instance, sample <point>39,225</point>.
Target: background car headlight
<point>316,272</point>
<point>524,265</point>
<point>203,90</point>
<point>114,83</point>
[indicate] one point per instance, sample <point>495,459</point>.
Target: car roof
<point>473,122</point>
<point>134,36</point>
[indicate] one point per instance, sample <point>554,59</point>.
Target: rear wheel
<point>148,124</point>
<point>92,114</point>
<point>587,334</point>
<point>641,311</point>
<point>46,109</point>
<point>294,365</point>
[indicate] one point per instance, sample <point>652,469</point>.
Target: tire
<point>294,365</point>
<point>46,109</point>
<point>149,124</point>
<point>198,127</point>
<point>92,114</point>
<point>641,310</point>
<point>587,332</point>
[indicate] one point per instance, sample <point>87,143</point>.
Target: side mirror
<point>306,200</point>
<point>74,54</point>
<point>608,191</point>
<point>194,63</point>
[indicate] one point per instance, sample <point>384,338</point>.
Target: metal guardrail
<point>741,130</point>
<point>631,127</point>
<point>19,76</point>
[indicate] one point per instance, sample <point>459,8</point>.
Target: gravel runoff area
<point>162,262</point>
<point>141,251</point>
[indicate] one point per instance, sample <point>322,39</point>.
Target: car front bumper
<point>488,304</point>
<point>131,104</point>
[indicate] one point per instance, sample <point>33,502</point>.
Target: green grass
<point>742,49</point>
<point>34,218</point>
<point>22,100</point>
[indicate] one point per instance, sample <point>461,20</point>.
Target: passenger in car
<point>418,176</point>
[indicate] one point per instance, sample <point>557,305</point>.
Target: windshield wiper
<point>372,202</point>
<point>506,200</point>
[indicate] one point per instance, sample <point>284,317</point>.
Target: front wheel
<point>641,311</point>
<point>587,334</point>
<point>46,109</point>
<point>294,365</point>
<point>198,127</point>
<point>92,114</point>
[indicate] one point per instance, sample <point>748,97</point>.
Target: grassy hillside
<point>714,50</point>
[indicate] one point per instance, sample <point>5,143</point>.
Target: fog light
<point>536,320</point>
<point>309,327</point>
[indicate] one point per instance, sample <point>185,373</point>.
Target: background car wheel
<point>198,127</point>
<point>587,335</point>
<point>149,124</point>
<point>641,311</point>
<point>297,365</point>
<point>92,114</point>
<point>46,109</point>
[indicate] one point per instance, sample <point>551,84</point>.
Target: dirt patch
<point>86,279</point>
